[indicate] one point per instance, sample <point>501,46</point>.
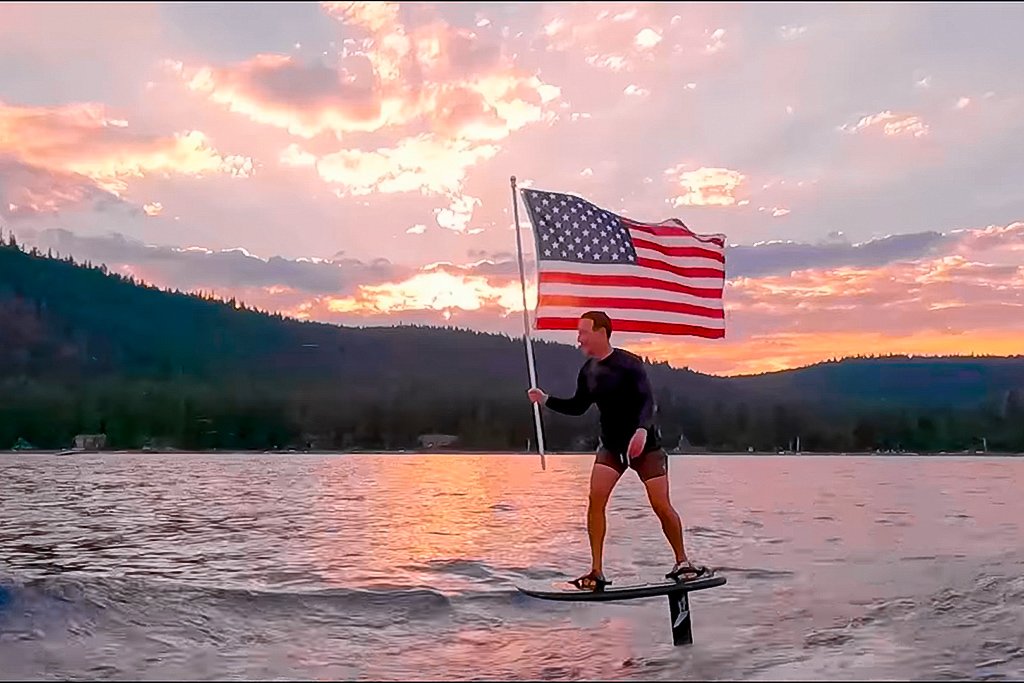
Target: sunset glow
<point>349,162</point>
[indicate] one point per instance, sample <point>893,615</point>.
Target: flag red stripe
<point>641,326</point>
<point>678,251</point>
<point>655,264</point>
<point>628,303</point>
<point>629,281</point>
<point>671,231</point>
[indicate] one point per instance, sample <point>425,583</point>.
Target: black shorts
<point>648,465</point>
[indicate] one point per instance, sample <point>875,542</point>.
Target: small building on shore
<point>90,442</point>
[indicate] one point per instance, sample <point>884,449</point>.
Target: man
<point>616,381</point>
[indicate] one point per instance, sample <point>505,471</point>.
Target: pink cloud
<point>63,155</point>
<point>627,38</point>
<point>439,99</point>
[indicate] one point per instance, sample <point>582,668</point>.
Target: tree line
<point>86,351</point>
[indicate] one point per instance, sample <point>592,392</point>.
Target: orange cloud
<point>904,289</point>
<point>783,350</point>
<point>944,305</point>
<point>1002,239</point>
<point>375,16</point>
<point>951,303</point>
<point>433,289</point>
<point>79,148</point>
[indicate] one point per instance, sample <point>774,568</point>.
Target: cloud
<point>928,294</point>
<point>612,38</point>
<point>940,294</point>
<point>782,350</point>
<point>647,38</point>
<point>436,289</point>
<point>791,32</point>
<point>715,41</point>
<point>706,186</point>
<point>893,301</point>
<point>786,256</point>
<point>62,156</point>
<point>437,99</point>
<point>890,124</point>
<point>27,190</point>
<point>304,99</point>
<point>787,303</point>
<point>230,272</point>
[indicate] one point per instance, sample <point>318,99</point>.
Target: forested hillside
<point>87,351</point>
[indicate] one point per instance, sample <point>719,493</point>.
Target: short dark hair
<point>600,320</point>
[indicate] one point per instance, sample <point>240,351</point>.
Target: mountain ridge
<point>70,332</point>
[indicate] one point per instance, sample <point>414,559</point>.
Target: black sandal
<point>591,581</point>
<point>689,569</point>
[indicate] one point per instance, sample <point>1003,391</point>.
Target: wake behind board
<point>676,591</point>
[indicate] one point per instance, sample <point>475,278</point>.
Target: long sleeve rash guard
<point>619,386</point>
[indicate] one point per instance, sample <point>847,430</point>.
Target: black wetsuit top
<point>618,385</point>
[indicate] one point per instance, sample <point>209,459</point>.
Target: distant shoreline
<point>441,451</point>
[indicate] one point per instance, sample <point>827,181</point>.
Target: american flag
<point>655,278</point>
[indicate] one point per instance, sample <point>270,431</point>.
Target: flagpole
<point>526,325</point>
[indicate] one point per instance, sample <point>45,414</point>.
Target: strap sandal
<point>687,571</point>
<point>594,581</point>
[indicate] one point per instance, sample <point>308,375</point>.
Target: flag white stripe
<point>635,314</point>
<point>675,241</point>
<point>627,270</point>
<point>681,261</point>
<point>562,289</point>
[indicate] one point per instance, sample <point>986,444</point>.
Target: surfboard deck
<point>564,590</point>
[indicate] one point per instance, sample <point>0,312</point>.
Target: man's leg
<point>653,470</point>
<point>603,478</point>
<point>671,525</point>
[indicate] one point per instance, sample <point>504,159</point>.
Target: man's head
<point>595,331</point>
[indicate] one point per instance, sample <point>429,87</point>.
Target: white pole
<point>526,325</point>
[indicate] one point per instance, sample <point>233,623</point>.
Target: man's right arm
<point>578,404</point>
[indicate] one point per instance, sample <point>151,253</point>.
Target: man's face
<point>589,340</point>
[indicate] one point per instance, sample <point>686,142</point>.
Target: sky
<point>351,162</point>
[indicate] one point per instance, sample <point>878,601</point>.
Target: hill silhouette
<point>83,350</point>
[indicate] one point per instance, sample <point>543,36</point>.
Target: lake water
<point>392,566</point>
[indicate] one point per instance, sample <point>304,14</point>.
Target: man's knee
<point>599,499</point>
<point>663,508</point>
<point>603,478</point>
<point>657,493</point>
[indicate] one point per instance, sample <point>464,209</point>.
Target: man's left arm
<point>645,415</point>
<point>645,419</point>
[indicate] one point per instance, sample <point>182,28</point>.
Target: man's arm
<point>645,419</point>
<point>578,404</point>
<point>645,413</point>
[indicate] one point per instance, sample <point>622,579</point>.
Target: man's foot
<point>687,571</point>
<point>594,581</point>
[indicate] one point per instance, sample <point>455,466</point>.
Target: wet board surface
<point>563,590</point>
